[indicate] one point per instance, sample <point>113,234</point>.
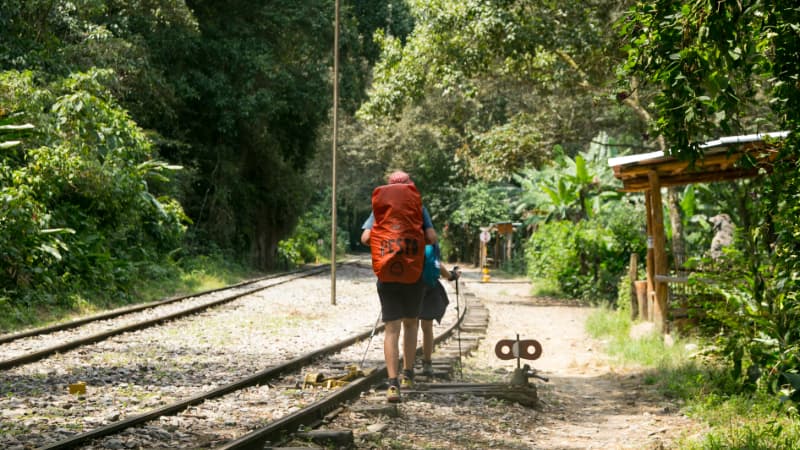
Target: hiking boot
<point>408,379</point>
<point>393,392</point>
<point>427,368</point>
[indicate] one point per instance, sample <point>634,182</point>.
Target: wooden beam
<point>643,183</point>
<point>659,254</point>
<point>679,165</point>
<point>718,166</point>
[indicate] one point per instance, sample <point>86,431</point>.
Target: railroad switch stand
<point>507,349</point>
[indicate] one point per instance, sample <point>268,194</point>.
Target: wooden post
<point>649,266</point>
<point>659,253</point>
<point>641,299</point>
<point>633,273</point>
<point>507,230</point>
<point>509,245</point>
<point>496,252</point>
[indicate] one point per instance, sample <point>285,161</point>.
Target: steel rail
<point>60,348</point>
<point>131,309</point>
<point>315,412</point>
<point>308,415</point>
<point>257,378</point>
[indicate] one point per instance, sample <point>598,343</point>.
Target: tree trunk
<point>264,243</point>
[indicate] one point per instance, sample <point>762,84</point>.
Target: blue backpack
<point>430,270</point>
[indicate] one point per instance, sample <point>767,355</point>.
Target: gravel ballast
<point>588,403</point>
<point>139,371</point>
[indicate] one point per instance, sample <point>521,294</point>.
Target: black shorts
<point>400,300</point>
<point>434,303</point>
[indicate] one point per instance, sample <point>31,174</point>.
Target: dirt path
<point>588,402</point>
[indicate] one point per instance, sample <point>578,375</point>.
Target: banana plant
<point>579,187</point>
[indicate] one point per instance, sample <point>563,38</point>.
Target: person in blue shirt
<point>434,302</point>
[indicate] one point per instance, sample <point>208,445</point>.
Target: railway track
<point>136,372</point>
<point>15,349</point>
<point>474,317</point>
<point>10,337</point>
<point>264,389</point>
<point>265,377</point>
<point>32,396</point>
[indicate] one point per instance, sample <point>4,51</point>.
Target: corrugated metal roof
<point>721,142</point>
<point>627,159</point>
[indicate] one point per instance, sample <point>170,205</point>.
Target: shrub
<point>587,258</point>
<point>311,239</point>
<point>79,213</point>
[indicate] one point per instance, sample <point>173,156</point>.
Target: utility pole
<point>333,152</point>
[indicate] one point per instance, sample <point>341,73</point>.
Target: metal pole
<point>458,330</point>
<point>369,343</point>
<point>333,150</point>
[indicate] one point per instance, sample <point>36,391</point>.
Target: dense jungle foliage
<point>138,133</point>
<point>148,132</point>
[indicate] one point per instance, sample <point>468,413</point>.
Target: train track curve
<point>107,436</point>
<point>195,303</point>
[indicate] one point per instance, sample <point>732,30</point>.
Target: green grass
<point>744,421</point>
<point>545,288</point>
<point>605,323</point>
<point>736,418</point>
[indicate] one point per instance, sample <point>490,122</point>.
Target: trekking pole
<point>370,339</point>
<point>458,331</point>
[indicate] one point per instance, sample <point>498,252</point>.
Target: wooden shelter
<point>649,172</point>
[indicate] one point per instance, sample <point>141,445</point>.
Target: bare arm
<point>443,272</point>
<point>449,274</point>
<point>365,236</point>
<point>430,236</point>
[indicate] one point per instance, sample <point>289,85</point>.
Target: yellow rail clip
<point>312,380</point>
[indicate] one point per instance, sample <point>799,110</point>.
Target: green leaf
<point>23,127</point>
<point>9,144</point>
<point>552,194</point>
<point>51,250</point>
<point>793,379</point>
<point>581,171</point>
<point>688,201</point>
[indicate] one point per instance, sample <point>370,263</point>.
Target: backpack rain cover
<point>397,241</point>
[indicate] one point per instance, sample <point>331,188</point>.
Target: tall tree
<point>500,62</point>
<point>253,91</point>
<point>709,62</point>
<point>236,92</point>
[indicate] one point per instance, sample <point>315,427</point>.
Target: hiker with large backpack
<point>396,232</point>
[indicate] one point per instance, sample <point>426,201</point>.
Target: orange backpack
<point>397,241</point>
